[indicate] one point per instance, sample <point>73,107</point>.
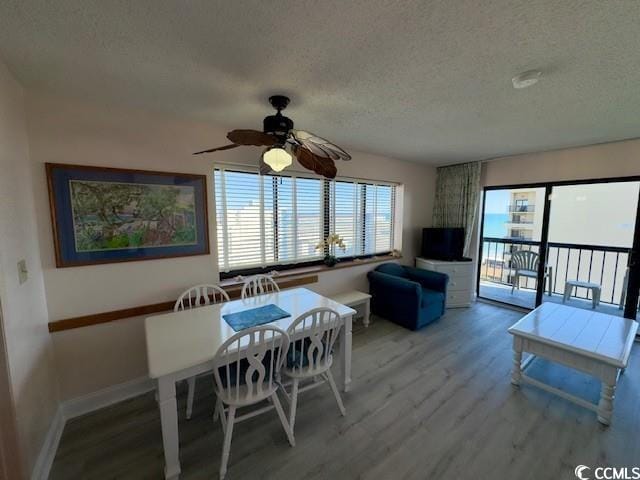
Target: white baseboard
<point>49,447</point>
<point>107,396</point>
<point>78,406</point>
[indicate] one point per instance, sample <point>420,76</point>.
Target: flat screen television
<point>443,243</point>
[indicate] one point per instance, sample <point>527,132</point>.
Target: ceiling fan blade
<point>319,145</point>
<point>225,147</point>
<point>311,146</point>
<point>321,165</point>
<point>252,137</point>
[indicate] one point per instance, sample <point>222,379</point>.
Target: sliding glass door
<point>573,243</point>
<point>591,230</point>
<point>511,225</point>
<point>632,293</point>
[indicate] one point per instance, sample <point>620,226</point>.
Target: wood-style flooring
<point>433,404</point>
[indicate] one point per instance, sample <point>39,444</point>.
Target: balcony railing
<point>522,208</point>
<point>569,261</point>
<point>518,235</point>
<point>519,221</point>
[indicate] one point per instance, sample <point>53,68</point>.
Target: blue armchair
<point>408,296</point>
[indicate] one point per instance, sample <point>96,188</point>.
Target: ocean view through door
<point>574,248</point>
<point>511,224</point>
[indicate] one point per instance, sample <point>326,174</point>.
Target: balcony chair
<point>525,263</point>
<point>410,297</point>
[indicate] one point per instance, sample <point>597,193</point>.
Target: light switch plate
<point>23,274</point>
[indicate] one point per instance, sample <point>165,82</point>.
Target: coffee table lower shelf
<point>607,374</point>
<point>524,378</point>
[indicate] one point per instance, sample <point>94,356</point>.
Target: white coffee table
<point>592,342</point>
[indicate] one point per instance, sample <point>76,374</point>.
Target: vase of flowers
<point>329,245</point>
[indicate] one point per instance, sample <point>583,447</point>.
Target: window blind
<point>265,220</point>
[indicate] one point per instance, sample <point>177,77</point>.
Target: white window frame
<point>396,221</point>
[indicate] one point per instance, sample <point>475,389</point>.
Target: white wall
<point>29,347</point>
<point>66,131</point>
<point>618,159</point>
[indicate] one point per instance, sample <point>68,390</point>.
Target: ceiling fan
<point>278,135</point>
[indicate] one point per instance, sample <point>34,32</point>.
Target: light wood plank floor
<point>430,404</point>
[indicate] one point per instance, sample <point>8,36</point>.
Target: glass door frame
<point>633,282</point>
<point>633,286</point>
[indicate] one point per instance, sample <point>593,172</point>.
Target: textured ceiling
<point>420,80</point>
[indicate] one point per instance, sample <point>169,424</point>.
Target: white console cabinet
<point>460,288</point>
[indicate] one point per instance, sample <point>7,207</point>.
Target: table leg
<point>345,354</point>
<point>169,424</point>
<point>605,407</point>
<point>516,374</point>
<point>367,313</point>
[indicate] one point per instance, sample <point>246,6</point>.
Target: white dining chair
<point>259,285</point>
<point>245,369</point>
<point>310,355</point>
<point>198,296</point>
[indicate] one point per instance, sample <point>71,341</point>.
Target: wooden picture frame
<point>108,215</point>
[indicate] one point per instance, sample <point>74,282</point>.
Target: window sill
<point>294,272</point>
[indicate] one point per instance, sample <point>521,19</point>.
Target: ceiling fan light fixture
<point>277,158</point>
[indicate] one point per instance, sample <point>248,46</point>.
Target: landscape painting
<point>108,215</point>
<point>103,215</point>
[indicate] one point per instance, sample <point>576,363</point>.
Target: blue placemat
<point>254,317</point>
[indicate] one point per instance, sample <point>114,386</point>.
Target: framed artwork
<point>105,215</point>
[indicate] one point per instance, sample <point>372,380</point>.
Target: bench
<point>353,299</point>
<point>595,288</point>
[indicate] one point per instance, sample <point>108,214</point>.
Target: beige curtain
<point>457,198</point>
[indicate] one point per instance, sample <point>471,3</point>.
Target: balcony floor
<point>526,298</point>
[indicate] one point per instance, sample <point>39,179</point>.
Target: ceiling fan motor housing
<point>277,125</point>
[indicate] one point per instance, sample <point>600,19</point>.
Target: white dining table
<point>183,344</point>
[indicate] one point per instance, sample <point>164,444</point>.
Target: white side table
<point>353,299</point>
<point>594,287</point>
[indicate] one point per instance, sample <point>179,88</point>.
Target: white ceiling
<point>419,80</point>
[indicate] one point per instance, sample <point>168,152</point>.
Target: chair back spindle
<point>525,260</point>
<point>199,296</point>
<point>246,365</point>
<point>259,285</point>
<point>312,337</point>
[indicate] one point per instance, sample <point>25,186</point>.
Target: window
<point>522,205</point>
<point>264,221</point>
